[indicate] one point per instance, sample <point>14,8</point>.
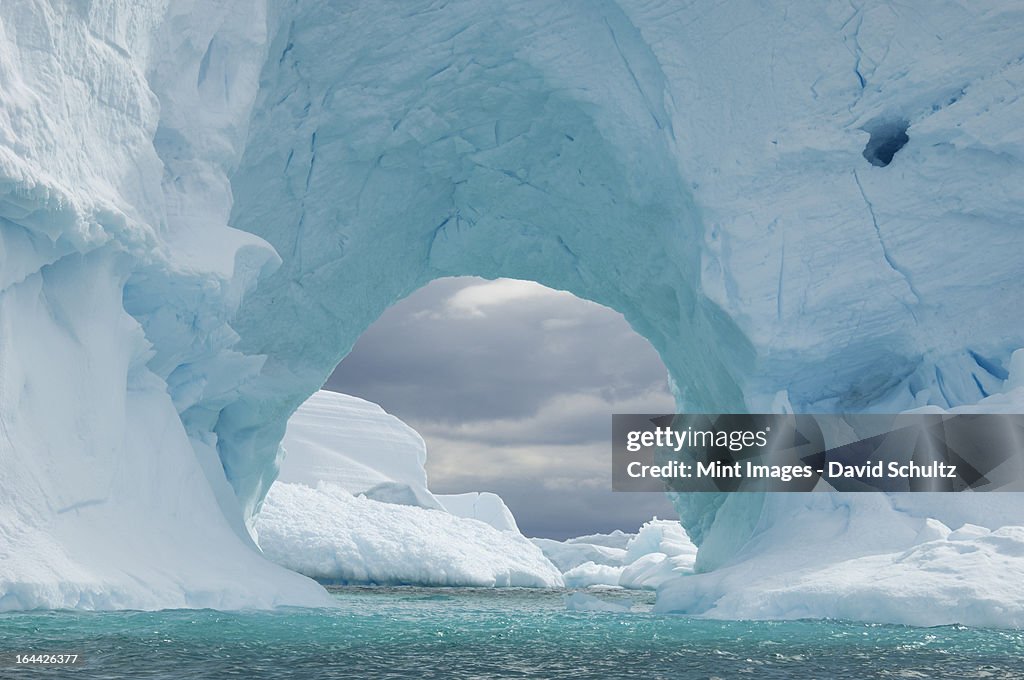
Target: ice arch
<point>564,146</point>
<point>507,163</point>
<point>699,169</point>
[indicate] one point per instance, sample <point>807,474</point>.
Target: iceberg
<point>329,534</point>
<point>481,505</point>
<point>591,574</point>
<point>203,205</point>
<point>970,576</point>
<point>657,553</point>
<point>351,506</point>
<point>923,559</point>
<point>354,444</point>
<point>616,539</point>
<point>567,555</point>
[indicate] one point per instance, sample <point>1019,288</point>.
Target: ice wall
<point>117,275</point>
<point>813,206</point>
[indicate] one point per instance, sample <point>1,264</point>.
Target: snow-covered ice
<point>329,534</point>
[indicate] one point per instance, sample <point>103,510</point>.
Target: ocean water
<point>479,633</point>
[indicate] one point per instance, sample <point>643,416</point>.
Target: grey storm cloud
<point>512,385</point>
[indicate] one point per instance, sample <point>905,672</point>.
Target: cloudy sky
<point>512,385</point>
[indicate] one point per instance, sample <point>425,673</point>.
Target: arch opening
<point>504,167</point>
<point>512,386</point>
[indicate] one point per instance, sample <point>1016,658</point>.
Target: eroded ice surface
<point>203,205</point>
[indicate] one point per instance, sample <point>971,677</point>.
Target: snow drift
<point>203,205</point>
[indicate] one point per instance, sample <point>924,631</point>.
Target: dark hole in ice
<point>887,137</point>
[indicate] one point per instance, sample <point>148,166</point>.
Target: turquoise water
<point>472,633</point>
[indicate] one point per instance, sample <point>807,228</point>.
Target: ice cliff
<point>807,206</point>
